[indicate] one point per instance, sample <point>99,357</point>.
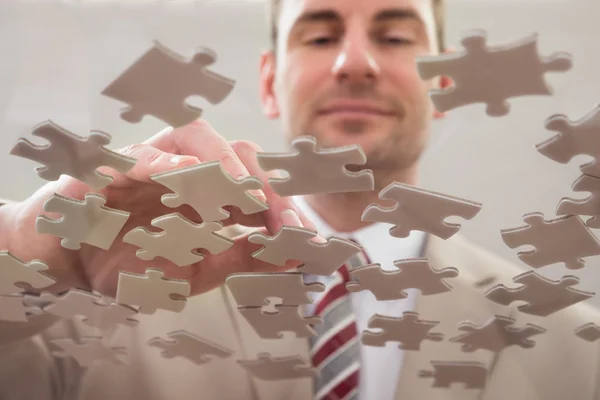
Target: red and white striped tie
<point>335,350</point>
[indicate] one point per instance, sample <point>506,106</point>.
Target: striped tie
<point>335,350</point>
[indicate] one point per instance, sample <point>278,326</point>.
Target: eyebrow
<point>384,15</point>
<point>319,15</point>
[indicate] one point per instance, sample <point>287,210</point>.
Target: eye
<point>396,40</point>
<point>322,40</point>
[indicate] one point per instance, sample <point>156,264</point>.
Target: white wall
<point>58,56</point>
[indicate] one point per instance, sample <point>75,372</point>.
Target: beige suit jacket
<point>561,366</point>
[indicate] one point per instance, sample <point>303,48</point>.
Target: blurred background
<point>56,56</point>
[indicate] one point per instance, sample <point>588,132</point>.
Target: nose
<point>355,62</point>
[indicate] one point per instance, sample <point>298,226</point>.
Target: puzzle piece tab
<point>445,373</point>
<point>421,210</point>
<point>90,351</point>
<point>152,291</point>
<point>87,221</point>
<point>585,207</point>
<point>73,155</point>
<point>14,271</point>
<point>589,332</point>
<point>312,170</point>
<point>409,330</point>
<point>187,345</point>
<point>294,243</point>
<point>412,273</point>
<point>574,138</point>
<point>491,74</point>
<point>160,82</point>
<point>563,239</point>
<point>544,296</point>
<point>207,188</point>
<point>269,368</point>
<point>271,325</point>
<point>179,240</point>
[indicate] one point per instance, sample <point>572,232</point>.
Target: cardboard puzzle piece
<point>269,368</point>
<point>87,221</point>
<point>312,170</point>
<point>589,332</point>
<point>271,325</point>
<point>445,373</point>
<point>160,81</point>
<point>491,74</point>
<point>574,138</point>
<point>189,346</point>
<point>89,352</point>
<point>151,291</point>
<point>179,240</point>
<point>412,273</point>
<point>262,289</point>
<point>589,206</point>
<point>542,295</point>
<point>409,330</point>
<point>496,334</point>
<point>13,309</point>
<point>564,239</point>
<point>421,210</point>
<point>15,272</point>
<point>207,188</point>
<point>294,243</point>
<point>73,155</point>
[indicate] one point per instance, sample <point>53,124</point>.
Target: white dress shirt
<point>380,366</point>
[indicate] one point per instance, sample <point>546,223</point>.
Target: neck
<point>343,211</point>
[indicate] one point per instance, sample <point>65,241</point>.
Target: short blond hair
<point>439,14</point>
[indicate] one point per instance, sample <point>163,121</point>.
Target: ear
<point>267,80</point>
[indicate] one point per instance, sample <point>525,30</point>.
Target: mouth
<point>355,109</point>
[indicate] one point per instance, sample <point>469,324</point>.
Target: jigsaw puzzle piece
<point>14,271</point>
<point>445,373</point>
<point>262,289</point>
<point>294,243</point>
<point>151,291</point>
<point>160,82</point>
<point>589,332</point>
<point>311,170</point>
<point>543,296</point>
<point>272,325</point>
<point>491,74</point>
<point>411,273</point>
<point>496,334</point>
<point>207,188</point>
<point>73,155</point>
<point>87,221</point>
<point>579,137</point>
<point>90,351</point>
<point>589,206</point>
<point>408,330</point>
<point>421,210</point>
<point>179,240</point>
<point>189,346</point>
<point>564,239</point>
<point>269,368</point>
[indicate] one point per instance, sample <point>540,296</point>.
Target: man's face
<point>344,71</point>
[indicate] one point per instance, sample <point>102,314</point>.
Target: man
<point>343,71</point>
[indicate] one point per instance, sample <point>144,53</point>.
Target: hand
<point>97,269</point>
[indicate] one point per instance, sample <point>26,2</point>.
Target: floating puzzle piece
<point>87,221</point>
<point>151,291</point>
<point>160,81</point>
<point>72,155</point>
<point>412,273</point>
<point>491,74</point>
<point>293,243</point>
<point>544,296</point>
<point>421,210</point>
<point>574,138</point>
<point>589,332</point>
<point>496,334</point>
<point>271,325</point>
<point>208,187</point>
<point>270,368</point>
<point>187,345</point>
<point>178,240</point>
<point>409,330</point>
<point>13,309</point>
<point>587,207</point>
<point>14,271</point>
<point>473,374</point>
<point>313,170</point>
<point>563,239</point>
<point>90,351</point>
<point>261,289</point>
